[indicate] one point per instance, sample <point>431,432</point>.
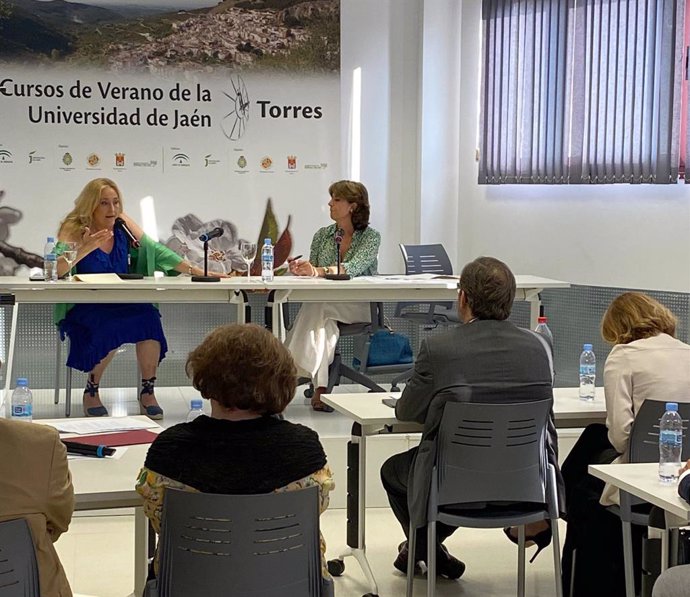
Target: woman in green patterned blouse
<point>315,333</point>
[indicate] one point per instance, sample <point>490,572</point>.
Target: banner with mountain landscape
<point>205,113</point>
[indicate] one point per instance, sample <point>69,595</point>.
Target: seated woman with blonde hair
<point>646,362</point>
<point>248,376</point>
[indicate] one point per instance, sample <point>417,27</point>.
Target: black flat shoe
<point>321,407</point>
<point>542,539</point>
<point>400,562</point>
<point>447,565</point>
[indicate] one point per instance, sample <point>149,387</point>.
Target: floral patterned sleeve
<point>151,486</point>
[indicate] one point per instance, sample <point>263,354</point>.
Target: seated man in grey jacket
<point>488,359</point>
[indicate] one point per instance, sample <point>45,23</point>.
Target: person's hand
<point>302,268</point>
<point>90,242</point>
<point>684,468</point>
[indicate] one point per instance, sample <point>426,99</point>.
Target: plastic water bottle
<point>588,372</point>
<point>267,261</point>
<point>50,261</point>
<point>22,401</point>
<point>196,409</point>
<point>670,443</point>
<point>543,328</point>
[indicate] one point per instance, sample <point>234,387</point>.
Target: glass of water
<point>70,255</point>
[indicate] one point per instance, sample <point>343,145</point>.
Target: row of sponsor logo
<point>177,159</point>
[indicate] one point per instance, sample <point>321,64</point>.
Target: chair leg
<point>557,571</point>
<point>521,561</point>
<point>627,558</point>
<point>411,550</point>
<point>58,366</point>
<point>431,559</point>
<point>68,391</point>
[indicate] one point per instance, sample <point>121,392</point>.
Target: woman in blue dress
<point>97,330</point>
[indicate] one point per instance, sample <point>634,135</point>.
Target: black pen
<point>87,449</point>
<point>295,258</point>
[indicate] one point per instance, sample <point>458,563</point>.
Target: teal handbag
<point>389,348</point>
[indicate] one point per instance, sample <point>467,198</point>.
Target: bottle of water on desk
<point>588,372</point>
<point>50,261</point>
<point>22,401</point>
<point>670,443</point>
<point>267,261</point>
<point>197,409</point>
<point>543,329</point>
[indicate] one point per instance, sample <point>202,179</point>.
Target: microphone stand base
<point>205,279</point>
<point>338,277</point>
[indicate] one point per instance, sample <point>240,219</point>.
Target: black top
<point>684,488</point>
<point>236,457</point>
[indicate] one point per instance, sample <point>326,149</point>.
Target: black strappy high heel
<point>154,411</point>
<point>95,411</point>
<point>542,539</point>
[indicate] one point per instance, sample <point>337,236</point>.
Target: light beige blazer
<point>35,484</point>
<point>656,368</point>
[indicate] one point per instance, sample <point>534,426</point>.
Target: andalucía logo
<point>180,159</point>
<point>119,160</point>
<point>6,157</point>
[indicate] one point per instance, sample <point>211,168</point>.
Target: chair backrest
<point>492,452</point>
<point>18,568</point>
<point>264,545</point>
<point>644,436</point>
<point>426,259</point>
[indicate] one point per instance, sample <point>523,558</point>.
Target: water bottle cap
<point>586,347</point>
<point>22,381</point>
<point>267,241</point>
<point>673,406</point>
<point>542,319</point>
<point>196,403</point>
<point>51,239</point>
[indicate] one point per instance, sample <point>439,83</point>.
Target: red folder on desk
<point>122,438</point>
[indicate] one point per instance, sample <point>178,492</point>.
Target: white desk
<point>390,289</point>
<point>108,483</point>
<point>371,417</point>
<point>642,481</point>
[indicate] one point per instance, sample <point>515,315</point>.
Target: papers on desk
<point>98,278</point>
<point>102,425</point>
<point>413,277</point>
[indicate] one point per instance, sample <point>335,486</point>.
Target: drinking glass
<point>70,255</point>
<point>248,251</point>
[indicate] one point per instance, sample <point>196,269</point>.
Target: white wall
<point>635,236</point>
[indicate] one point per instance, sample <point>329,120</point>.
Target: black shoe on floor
<point>401,561</point>
<point>448,566</point>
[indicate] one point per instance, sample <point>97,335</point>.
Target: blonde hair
<point>634,316</point>
<point>84,206</point>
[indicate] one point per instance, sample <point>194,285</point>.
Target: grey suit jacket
<point>484,361</point>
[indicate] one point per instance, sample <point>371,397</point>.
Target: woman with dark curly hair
<point>248,376</point>
<point>646,362</point>
<point>315,333</point>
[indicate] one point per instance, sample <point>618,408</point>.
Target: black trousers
<point>394,476</point>
<point>593,533</point>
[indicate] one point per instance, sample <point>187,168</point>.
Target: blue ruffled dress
<point>94,329</point>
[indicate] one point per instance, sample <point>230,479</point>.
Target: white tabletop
<point>368,410</point>
<point>642,480</point>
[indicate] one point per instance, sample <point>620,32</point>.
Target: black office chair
<point>264,545</point>
<point>491,453</point>
<point>427,259</point>
<point>362,332</point>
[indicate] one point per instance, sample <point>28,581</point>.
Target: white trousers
<point>314,335</point>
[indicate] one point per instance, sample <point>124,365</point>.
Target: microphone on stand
<point>339,233</point>
<point>204,238</point>
<point>215,233</point>
<point>120,223</point>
